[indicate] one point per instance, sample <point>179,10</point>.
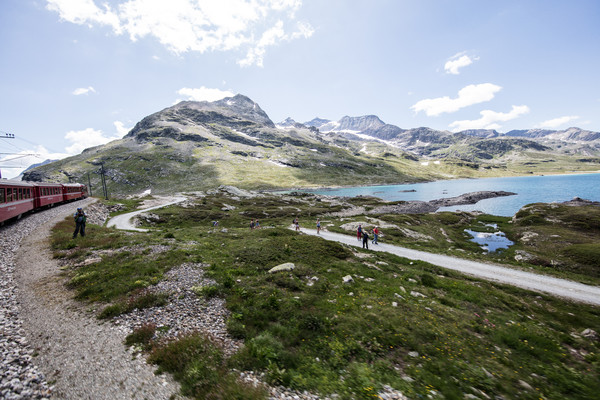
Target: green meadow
<point>423,330</point>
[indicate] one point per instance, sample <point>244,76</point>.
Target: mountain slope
<point>199,145</point>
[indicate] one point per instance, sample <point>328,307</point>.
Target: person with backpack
<point>359,232</point>
<point>80,218</point>
<point>365,239</point>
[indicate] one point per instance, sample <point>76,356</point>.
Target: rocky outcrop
<point>469,198</point>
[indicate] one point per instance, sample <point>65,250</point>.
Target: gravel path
<point>493,272</point>
<point>123,221</point>
<point>45,336</point>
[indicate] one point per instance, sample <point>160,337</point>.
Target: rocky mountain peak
<point>317,122</point>
<point>361,123</point>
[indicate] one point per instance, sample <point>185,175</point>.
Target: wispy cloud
<point>556,122</point>
<point>247,26</point>
<point>204,94</point>
<point>467,96</point>
<point>87,90</point>
<point>489,119</point>
<point>458,61</point>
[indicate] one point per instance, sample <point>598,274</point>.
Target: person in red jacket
<point>375,235</point>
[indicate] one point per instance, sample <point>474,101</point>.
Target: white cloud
<point>489,119</point>
<point>121,129</point>
<point>467,96</point>
<point>195,25</point>
<point>89,137</point>
<point>80,91</point>
<point>204,94</point>
<point>556,122</point>
<point>15,164</point>
<point>458,61</point>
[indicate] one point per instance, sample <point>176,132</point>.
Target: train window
<point>19,194</point>
<point>8,195</point>
<point>2,195</point>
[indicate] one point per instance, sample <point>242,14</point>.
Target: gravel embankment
<point>45,336</point>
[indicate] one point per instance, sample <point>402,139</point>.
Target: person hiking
<point>318,226</point>
<point>365,239</point>
<point>297,224</point>
<point>359,232</point>
<point>375,235</point>
<point>80,218</point>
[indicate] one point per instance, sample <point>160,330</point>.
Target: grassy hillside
<point>423,330</point>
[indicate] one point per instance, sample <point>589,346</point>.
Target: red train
<point>17,198</point>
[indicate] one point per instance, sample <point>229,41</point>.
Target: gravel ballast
<point>45,336</point>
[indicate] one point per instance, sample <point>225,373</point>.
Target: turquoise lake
<point>529,189</point>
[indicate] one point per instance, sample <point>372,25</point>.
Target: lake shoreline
<point>324,188</point>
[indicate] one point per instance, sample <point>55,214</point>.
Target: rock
<point>590,334</point>
<point>417,294</point>
<point>525,385</point>
<point>413,354</point>
<point>348,279</point>
<point>282,267</point>
<point>93,260</point>
<point>523,256</point>
<point>394,304</point>
<point>487,373</point>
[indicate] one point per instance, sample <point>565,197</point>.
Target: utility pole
<point>4,135</point>
<point>103,178</point>
<point>90,185</point>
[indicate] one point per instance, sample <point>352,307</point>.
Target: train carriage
<point>47,194</point>
<point>74,191</point>
<point>16,198</point>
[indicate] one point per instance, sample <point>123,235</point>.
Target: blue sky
<point>77,73</point>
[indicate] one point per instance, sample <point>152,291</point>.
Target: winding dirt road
<point>492,272</point>
<point>123,221</point>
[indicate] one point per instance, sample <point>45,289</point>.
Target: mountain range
<point>197,145</point>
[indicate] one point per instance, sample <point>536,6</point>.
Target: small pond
<point>490,241</point>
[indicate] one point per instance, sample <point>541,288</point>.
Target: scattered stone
<point>413,354</point>
<point>348,279</point>
<point>394,304</point>
<point>417,294</point>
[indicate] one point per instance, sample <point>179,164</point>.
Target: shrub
<point>142,336</point>
<point>112,311</point>
<point>428,280</point>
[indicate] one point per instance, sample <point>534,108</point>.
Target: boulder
<point>348,279</point>
<point>590,334</point>
<point>282,267</point>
